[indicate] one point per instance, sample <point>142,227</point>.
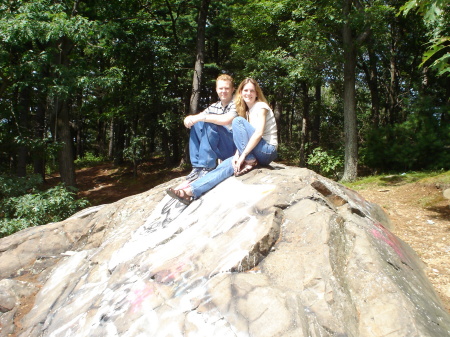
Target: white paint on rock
<point>163,269</point>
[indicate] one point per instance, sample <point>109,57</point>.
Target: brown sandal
<point>180,195</point>
<point>249,165</point>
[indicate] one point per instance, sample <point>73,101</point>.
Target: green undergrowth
<point>24,204</point>
<point>437,178</point>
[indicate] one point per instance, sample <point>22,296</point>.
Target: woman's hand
<point>235,162</point>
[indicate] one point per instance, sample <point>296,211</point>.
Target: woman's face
<point>249,94</point>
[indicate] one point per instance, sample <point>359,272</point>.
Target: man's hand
<point>190,120</point>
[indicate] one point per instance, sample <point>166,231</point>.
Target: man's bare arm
<point>224,119</point>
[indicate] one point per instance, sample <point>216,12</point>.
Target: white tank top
<point>270,129</point>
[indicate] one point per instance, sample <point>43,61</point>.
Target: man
<point>211,137</point>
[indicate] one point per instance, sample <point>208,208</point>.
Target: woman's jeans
<point>209,142</point>
<point>242,131</point>
<point>223,171</point>
<point>263,152</point>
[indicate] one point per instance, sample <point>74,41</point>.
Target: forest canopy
<point>355,86</point>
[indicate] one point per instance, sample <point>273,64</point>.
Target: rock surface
<point>447,193</point>
<point>277,252</point>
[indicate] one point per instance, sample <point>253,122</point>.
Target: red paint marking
<point>383,234</point>
<point>140,296</point>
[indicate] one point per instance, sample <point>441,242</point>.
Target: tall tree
<point>371,72</point>
<point>200,56</point>
<point>62,115</point>
<point>305,125</point>
<point>350,126</point>
<point>23,125</point>
<point>315,125</point>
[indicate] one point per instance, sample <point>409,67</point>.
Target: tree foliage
<point>113,79</point>
<point>436,15</point>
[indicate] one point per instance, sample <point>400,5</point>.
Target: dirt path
<point>421,217</point>
<point>419,212</point>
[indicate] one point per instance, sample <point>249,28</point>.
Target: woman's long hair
<point>241,106</point>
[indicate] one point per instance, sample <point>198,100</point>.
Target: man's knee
<point>197,127</point>
<point>211,126</point>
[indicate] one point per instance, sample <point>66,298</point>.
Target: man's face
<point>225,90</point>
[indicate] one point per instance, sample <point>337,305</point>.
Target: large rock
<point>277,252</point>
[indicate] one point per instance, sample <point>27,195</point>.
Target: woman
<point>255,137</point>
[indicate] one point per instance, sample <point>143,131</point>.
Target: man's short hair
<point>225,77</point>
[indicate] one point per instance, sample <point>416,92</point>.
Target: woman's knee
<point>237,120</point>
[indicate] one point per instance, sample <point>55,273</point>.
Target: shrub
<point>89,159</point>
<point>326,163</point>
<point>418,143</point>
<point>12,187</point>
<point>289,152</point>
<point>37,207</point>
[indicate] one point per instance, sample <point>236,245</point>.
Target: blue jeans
<point>263,152</point>
<point>223,171</point>
<point>242,131</point>
<point>209,142</point>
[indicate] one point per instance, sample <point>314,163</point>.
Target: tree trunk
<point>166,148</point>
<point>199,62</point>
<point>315,127</point>
<point>22,120</point>
<point>62,116</point>
<point>111,139</point>
<point>119,141</point>
<point>78,128</point>
<point>176,157</point>
<point>290,119</point>
<point>79,153</point>
<point>305,124</point>
<point>100,141</point>
<point>39,133</point>
<point>278,111</point>
<point>350,130</point>
<point>65,154</point>
<point>393,83</point>
<point>372,82</point>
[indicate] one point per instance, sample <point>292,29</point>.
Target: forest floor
<point>420,216</point>
<point>418,211</point>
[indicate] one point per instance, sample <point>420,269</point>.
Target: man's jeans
<point>242,131</point>
<point>209,142</point>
